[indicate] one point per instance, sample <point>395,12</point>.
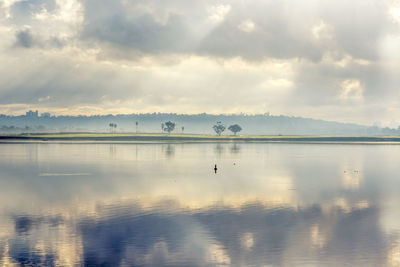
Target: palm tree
<point>113,126</point>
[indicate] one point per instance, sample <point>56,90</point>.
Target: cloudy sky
<point>334,60</point>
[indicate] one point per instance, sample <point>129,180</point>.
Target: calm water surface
<point>162,204</point>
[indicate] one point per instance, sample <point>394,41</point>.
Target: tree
<point>137,123</point>
<point>113,126</point>
<point>169,126</point>
<point>235,128</point>
<point>183,128</point>
<point>219,128</point>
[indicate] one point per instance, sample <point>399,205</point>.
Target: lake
<point>157,204</point>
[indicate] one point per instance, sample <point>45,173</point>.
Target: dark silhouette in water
<point>215,168</point>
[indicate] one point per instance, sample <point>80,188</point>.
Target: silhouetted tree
<point>137,123</point>
<point>169,126</point>
<point>113,126</point>
<point>235,128</point>
<point>219,128</point>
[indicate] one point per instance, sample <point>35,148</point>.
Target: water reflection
<point>235,148</point>
<point>113,150</point>
<point>219,149</point>
<point>351,179</point>
<point>293,205</point>
<point>254,234</point>
<point>169,150</point>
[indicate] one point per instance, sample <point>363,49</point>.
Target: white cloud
<point>351,90</point>
<point>247,241</point>
<point>280,83</point>
<point>217,13</point>
<point>42,99</point>
<point>394,13</point>
<point>322,31</point>
<point>247,26</point>
<point>217,255</point>
<point>6,4</point>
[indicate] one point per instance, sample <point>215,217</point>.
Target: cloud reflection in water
<point>280,205</point>
<point>253,234</point>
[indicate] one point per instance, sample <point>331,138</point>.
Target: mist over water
<point>162,204</point>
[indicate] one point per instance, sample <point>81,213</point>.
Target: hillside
<point>199,123</point>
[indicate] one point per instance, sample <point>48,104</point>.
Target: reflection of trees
<point>113,150</point>
<point>219,149</point>
<point>235,148</point>
<point>33,151</point>
<point>169,150</point>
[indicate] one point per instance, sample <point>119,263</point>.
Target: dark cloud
<point>273,35</point>
<point>358,25</point>
<point>285,30</point>
<point>278,29</point>
<point>56,42</point>
<point>322,84</point>
<point>24,39</point>
<point>27,39</point>
<point>22,11</point>
<point>109,22</point>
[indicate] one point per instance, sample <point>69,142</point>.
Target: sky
<point>332,60</point>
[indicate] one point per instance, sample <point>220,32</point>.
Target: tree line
<point>257,124</point>
<point>169,127</point>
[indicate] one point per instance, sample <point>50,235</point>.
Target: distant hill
<point>199,123</point>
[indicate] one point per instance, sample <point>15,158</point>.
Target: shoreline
<point>173,138</point>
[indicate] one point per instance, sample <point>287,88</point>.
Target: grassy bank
<point>189,137</point>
